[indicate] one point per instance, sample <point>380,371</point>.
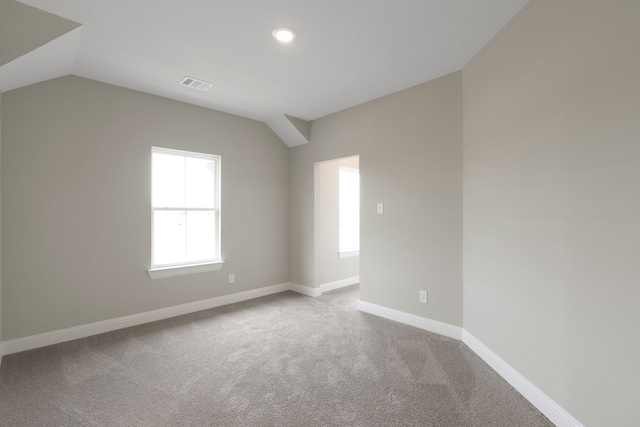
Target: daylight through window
<point>349,210</point>
<point>186,208</point>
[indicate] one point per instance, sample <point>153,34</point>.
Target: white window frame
<point>346,252</point>
<point>177,269</point>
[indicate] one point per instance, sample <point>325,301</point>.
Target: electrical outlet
<point>423,297</point>
<point>232,278</point>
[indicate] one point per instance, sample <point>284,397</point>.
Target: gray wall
<point>24,28</point>
<point>410,147</point>
<point>552,203</point>
<point>328,265</point>
<point>1,335</point>
<point>76,158</point>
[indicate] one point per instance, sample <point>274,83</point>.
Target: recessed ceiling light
<point>284,34</point>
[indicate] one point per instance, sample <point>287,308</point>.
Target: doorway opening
<point>337,223</point>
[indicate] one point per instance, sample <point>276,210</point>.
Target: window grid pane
<point>168,181</point>
<point>199,183</point>
<point>201,236</point>
<point>349,210</point>
<point>169,237</point>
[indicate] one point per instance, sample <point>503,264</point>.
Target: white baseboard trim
<point>533,394</point>
<point>82,331</point>
<point>412,320</point>
<point>305,290</point>
<point>539,399</point>
<point>326,287</point>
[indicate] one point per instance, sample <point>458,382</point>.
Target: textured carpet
<point>281,360</point>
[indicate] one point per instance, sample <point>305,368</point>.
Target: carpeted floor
<point>281,360</point>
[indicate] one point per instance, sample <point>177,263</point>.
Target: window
<point>349,211</point>
<point>185,212</point>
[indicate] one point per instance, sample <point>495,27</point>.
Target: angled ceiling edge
<point>24,28</point>
<point>303,126</point>
<point>288,132</point>
<point>52,60</point>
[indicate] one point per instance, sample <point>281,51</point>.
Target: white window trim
<point>349,254</point>
<point>351,170</point>
<point>162,271</point>
<point>181,270</point>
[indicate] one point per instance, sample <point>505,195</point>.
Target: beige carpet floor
<point>281,360</point>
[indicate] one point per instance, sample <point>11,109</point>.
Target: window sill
<point>349,254</point>
<point>182,270</point>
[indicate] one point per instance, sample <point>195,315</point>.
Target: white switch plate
<point>232,278</point>
<point>380,208</point>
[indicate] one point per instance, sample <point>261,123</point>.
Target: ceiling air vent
<point>196,84</point>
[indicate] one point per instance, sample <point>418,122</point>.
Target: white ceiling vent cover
<point>196,84</point>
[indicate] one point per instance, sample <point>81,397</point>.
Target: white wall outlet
<point>232,278</point>
<point>423,297</point>
<point>380,208</point>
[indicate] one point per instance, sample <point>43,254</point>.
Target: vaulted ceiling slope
<point>346,51</point>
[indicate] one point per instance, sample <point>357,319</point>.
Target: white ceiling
<point>346,52</point>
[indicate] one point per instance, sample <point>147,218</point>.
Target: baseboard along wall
<point>331,286</point>
<point>533,394</point>
<point>412,320</point>
<point>82,331</point>
<point>539,399</point>
<point>305,290</point>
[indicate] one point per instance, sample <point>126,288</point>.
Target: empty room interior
<point>497,145</point>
